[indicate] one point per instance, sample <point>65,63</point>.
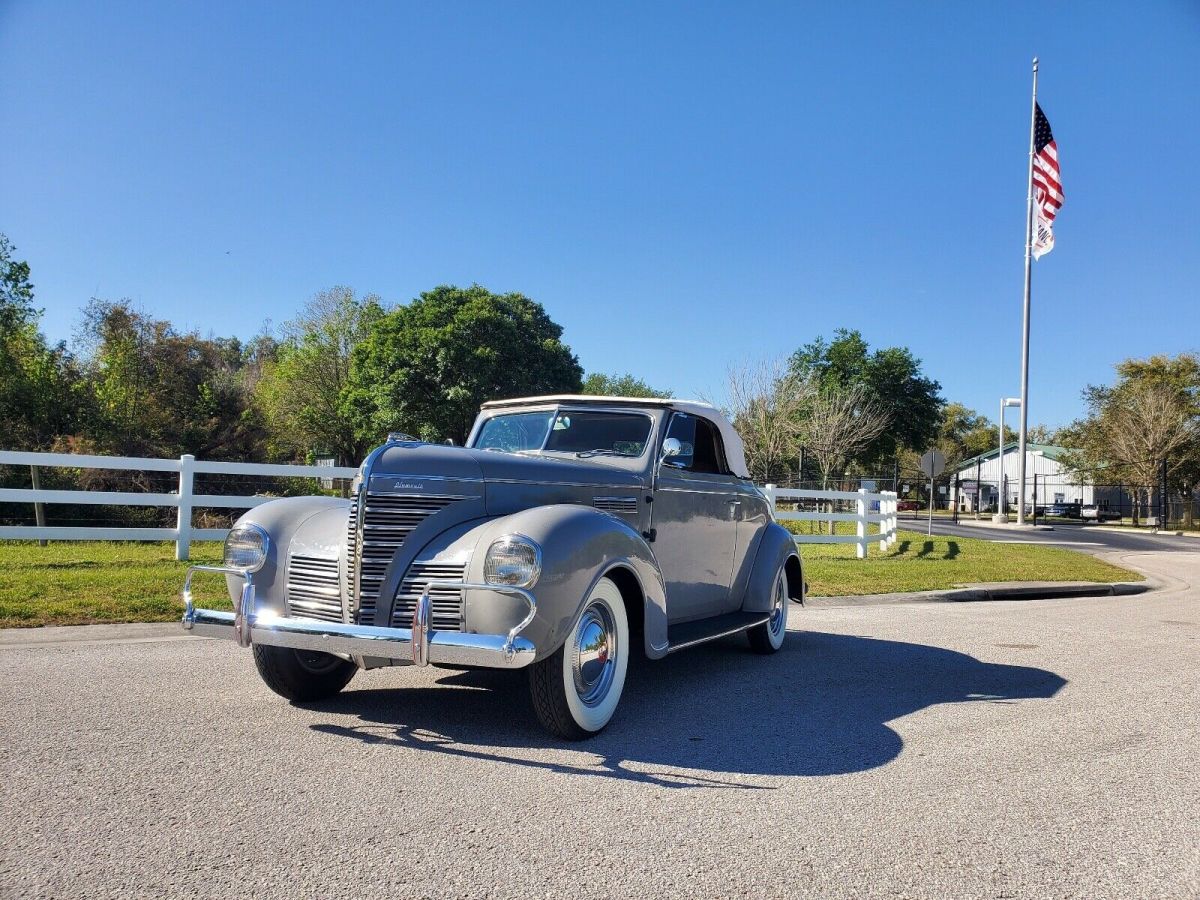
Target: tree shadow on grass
<point>821,706</point>
<point>952,550</point>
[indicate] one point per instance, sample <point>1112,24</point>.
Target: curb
<point>1048,591</point>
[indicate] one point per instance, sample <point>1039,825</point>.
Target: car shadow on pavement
<point>821,706</point>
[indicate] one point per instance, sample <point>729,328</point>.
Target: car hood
<point>403,467</point>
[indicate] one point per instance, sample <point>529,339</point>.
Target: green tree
<point>300,392</point>
<point>626,385</point>
<point>16,290</point>
<point>964,433</point>
<point>891,377</point>
<point>1148,420</point>
<point>160,392</point>
<point>426,367</point>
<point>40,390</point>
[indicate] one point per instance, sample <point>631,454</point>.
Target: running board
<point>689,634</point>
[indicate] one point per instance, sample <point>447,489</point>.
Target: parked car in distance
<point>1095,513</point>
<point>1064,510</point>
<point>570,533</point>
<point>908,505</point>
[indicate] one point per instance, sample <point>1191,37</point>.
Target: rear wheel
<point>768,637</point>
<point>302,675</point>
<point>576,690</point>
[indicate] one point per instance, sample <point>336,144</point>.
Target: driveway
<point>1005,749</point>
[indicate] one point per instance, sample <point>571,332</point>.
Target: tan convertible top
<point>735,452</point>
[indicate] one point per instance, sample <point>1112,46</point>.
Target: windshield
<point>567,431</point>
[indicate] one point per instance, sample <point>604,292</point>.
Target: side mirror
<point>670,447</point>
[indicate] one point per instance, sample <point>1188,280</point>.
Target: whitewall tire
<point>577,689</point>
<point>769,636</point>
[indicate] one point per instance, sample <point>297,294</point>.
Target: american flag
<point>1047,183</point>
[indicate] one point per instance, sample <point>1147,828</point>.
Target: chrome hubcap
<point>779,607</point>
<point>594,653</point>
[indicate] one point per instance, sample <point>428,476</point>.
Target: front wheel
<point>768,637</point>
<point>576,689</point>
<point>302,675</point>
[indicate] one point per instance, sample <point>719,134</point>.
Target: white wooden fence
<point>184,499</point>
<point>869,509</point>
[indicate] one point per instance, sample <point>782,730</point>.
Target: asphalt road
<point>1086,538</point>
<point>1005,749</point>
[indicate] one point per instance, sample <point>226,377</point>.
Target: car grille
<point>314,589</point>
<point>446,603</point>
<point>389,519</point>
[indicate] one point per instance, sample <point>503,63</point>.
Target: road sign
<point>933,463</point>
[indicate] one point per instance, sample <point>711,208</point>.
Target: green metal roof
<point>1050,451</point>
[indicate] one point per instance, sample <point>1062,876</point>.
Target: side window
<point>702,450</point>
<point>683,429</point>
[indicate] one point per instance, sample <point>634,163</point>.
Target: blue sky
<point>682,186</point>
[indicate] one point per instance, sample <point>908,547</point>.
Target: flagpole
<point>1025,316</point>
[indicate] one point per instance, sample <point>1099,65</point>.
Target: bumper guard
<point>419,645</point>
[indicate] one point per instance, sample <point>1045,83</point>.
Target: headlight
<point>514,560</point>
<point>246,547</point>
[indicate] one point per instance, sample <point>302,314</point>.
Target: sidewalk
<point>1012,590</point>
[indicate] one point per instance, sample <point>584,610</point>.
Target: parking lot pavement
<point>1005,749</point>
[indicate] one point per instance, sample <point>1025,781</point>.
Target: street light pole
<point>1001,513</point>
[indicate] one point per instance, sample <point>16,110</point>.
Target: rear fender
<point>777,548</point>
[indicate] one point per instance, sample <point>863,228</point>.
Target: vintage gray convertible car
<point>569,532</point>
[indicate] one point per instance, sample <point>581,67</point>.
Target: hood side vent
<point>620,505</point>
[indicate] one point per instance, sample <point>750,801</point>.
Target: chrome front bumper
<point>419,645</point>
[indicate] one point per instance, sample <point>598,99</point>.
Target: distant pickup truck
<point>1095,513</point>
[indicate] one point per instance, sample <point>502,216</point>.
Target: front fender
<point>282,520</point>
<point>579,545</point>
<point>777,548</point>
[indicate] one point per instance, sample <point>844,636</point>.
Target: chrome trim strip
<point>583,484</point>
<point>715,489</point>
<point>466,479</point>
<point>713,637</point>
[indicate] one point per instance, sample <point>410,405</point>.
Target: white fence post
<point>769,492</point>
<point>183,521</point>
<point>861,524</point>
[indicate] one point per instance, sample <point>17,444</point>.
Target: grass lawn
<point>919,563</point>
<point>67,583</point>
<point>88,582</point>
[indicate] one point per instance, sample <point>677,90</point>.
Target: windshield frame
<point>556,409</point>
